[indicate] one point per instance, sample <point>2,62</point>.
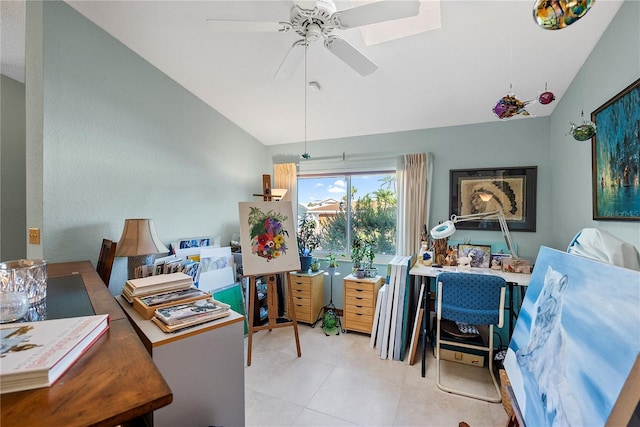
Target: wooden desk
<point>113,382</point>
<point>518,279</point>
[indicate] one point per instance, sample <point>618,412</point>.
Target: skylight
<point>427,19</point>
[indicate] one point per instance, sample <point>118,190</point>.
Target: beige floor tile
<point>312,418</point>
<point>265,410</point>
<point>357,397</point>
<point>340,381</point>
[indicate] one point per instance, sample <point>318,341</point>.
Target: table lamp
<point>138,242</point>
<point>447,228</point>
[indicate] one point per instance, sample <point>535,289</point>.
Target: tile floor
<point>340,381</point>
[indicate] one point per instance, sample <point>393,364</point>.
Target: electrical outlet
<point>34,236</point>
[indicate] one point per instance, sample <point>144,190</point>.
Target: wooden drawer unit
<point>308,295</point>
<point>360,296</point>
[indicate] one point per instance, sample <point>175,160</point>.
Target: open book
<point>36,354</point>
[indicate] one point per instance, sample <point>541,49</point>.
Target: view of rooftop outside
<point>346,206</point>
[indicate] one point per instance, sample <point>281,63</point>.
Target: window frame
<point>379,259</point>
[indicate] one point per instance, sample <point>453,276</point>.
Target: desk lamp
<point>447,228</point>
<point>138,242</point>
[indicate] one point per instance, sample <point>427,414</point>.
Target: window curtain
<point>414,175</point>
<point>285,176</point>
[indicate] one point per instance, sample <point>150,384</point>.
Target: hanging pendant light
<point>306,154</point>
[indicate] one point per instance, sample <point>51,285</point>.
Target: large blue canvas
<point>575,341</point>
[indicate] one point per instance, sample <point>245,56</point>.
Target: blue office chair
<point>476,299</point>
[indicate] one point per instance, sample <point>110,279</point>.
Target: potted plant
<point>315,265</point>
<point>369,254</point>
<point>307,240</point>
<point>332,263</point>
<point>357,255</point>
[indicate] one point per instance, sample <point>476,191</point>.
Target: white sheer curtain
<point>414,173</point>
<point>285,176</point>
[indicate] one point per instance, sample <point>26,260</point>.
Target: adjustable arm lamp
<point>447,228</point>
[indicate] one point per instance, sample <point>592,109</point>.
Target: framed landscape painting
<point>615,158</point>
<point>511,190</point>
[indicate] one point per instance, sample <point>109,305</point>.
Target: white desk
<point>204,367</point>
<point>517,279</point>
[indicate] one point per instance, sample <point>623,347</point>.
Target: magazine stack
<point>177,317</point>
<point>156,284</point>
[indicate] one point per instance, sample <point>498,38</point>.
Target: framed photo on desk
<point>511,190</point>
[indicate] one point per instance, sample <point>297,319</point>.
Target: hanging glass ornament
<point>558,14</point>
<point>584,131</point>
<point>509,106</point>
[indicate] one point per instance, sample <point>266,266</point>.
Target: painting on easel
<point>574,354</point>
<point>268,238</point>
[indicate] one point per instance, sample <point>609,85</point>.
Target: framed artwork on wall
<point>511,190</point>
<point>615,159</point>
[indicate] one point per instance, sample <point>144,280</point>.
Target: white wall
<point>122,140</point>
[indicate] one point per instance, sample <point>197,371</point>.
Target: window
<point>348,205</point>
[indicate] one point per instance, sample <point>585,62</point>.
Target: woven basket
<point>506,403</point>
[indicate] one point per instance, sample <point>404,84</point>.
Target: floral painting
<point>267,238</point>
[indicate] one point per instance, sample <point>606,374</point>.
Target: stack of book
<point>146,306</point>
<point>176,317</point>
<point>156,284</point>
<point>37,354</point>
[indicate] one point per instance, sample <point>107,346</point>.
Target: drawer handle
<point>358,314</point>
<point>359,306</point>
<point>359,290</point>
<point>358,298</point>
<point>299,297</point>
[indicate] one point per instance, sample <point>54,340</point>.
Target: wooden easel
<point>272,294</point>
<point>272,304</point>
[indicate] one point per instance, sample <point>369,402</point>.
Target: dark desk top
<point>113,382</point>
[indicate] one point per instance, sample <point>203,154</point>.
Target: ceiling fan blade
<point>291,61</point>
<point>350,55</point>
<point>226,25</point>
<point>380,11</point>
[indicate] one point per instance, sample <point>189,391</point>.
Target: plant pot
<point>370,272</point>
<point>331,271</point>
<point>305,263</point>
<point>359,273</point>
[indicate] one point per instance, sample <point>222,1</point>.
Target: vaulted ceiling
<point>451,75</point>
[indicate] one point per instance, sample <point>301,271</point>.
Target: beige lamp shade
<point>139,238</point>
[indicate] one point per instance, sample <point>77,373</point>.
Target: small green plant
<point>369,253</point>
<point>357,252</point>
<point>332,260</point>
<point>308,239</point>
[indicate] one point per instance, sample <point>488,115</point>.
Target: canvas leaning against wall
<point>575,343</point>
<point>268,238</point>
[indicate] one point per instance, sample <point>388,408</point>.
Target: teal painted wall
<point>13,204</point>
<point>122,140</point>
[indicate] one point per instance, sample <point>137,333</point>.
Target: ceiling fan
<point>317,19</point>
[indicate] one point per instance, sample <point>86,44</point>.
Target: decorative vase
<point>305,263</point>
<point>370,272</point>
